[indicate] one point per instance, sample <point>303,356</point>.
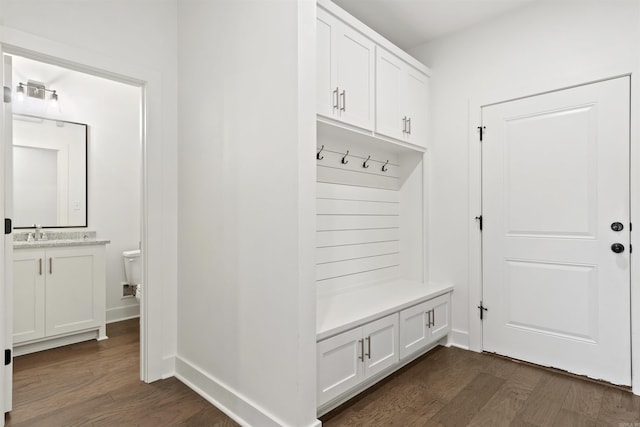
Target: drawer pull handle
<point>50,265</point>
<point>40,266</point>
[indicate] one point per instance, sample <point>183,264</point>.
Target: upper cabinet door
<point>345,73</point>
<point>326,70</point>
<point>356,56</point>
<point>390,93</point>
<point>417,101</point>
<point>401,100</point>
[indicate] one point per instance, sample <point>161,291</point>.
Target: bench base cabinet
<point>347,359</point>
<point>423,324</point>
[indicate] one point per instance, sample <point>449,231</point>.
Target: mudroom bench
<point>370,331</point>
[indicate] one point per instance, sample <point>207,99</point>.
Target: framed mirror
<point>49,173</point>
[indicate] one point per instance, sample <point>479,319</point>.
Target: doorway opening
<point>111,112</point>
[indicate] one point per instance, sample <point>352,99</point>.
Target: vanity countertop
<point>57,239</point>
<point>58,243</point>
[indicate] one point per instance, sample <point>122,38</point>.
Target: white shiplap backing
<point>358,220</point>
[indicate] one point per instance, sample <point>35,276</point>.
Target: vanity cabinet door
<point>75,289</point>
<point>28,295</point>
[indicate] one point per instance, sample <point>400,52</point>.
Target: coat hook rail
<point>318,156</point>
<point>364,164</point>
<point>344,159</point>
<point>384,167</point>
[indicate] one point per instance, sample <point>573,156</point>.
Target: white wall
<point>112,112</point>
<point>246,307</point>
<point>542,46</point>
<point>138,39</point>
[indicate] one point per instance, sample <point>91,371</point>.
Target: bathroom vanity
<point>58,290</point>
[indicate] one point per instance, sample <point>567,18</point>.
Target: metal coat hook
<point>318,156</point>
<point>364,164</point>
<point>384,167</point>
<point>344,161</point>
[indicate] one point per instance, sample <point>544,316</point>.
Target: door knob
<point>617,248</point>
<point>617,226</point>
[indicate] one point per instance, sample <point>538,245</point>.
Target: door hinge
<point>8,226</point>
<point>481,129</point>
<point>7,357</point>
<point>482,310</point>
<point>479,219</point>
<point>7,94</point>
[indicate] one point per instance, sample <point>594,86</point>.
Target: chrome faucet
<point>37,232</point>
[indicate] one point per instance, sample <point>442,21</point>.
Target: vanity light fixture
<point>36,90</point>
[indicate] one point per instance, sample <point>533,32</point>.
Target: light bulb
<point>53,101</point>
<point>20,92</point>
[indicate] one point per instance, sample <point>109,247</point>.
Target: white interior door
<point>6,249</point>
<point>555,180</point>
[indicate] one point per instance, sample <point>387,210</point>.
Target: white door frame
<point>475,208</point>
<point>152,365</point>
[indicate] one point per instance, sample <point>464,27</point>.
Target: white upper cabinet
<point>367,83</point>
<point>345,73</point>
<point>401,100</point>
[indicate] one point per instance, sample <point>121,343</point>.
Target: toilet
<point>132,270</point>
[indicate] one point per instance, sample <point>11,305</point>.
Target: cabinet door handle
<point>343,94</point>
<point>50,265</point>
<point>429,319</point>
<point>369,346</point>
<point>409,125</point>
<point>40,266</point>
<point>336,104</point>
<point>433,317</point>
<point>404,124</point>
<point>361,357</point>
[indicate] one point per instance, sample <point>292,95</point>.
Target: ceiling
<point>410,23</point>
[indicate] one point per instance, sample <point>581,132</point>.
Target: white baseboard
<point>168,366</point>
<point>119,314</point>
<point>49,343</point>
<point>244,412</point>
<point>458,339</point>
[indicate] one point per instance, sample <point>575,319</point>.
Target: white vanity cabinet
<point>401,99</point>
<point>58,292</point>
<point>347,359</point>
<point>345,72</point>
<point>28,295</point>
<point>424,323</point>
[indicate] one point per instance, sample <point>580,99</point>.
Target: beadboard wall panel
<point>358,216</point>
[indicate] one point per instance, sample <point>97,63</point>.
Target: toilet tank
<point>132,270</point>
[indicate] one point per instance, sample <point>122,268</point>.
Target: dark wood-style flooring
<point>96,384</point>
<point>454,387</point>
